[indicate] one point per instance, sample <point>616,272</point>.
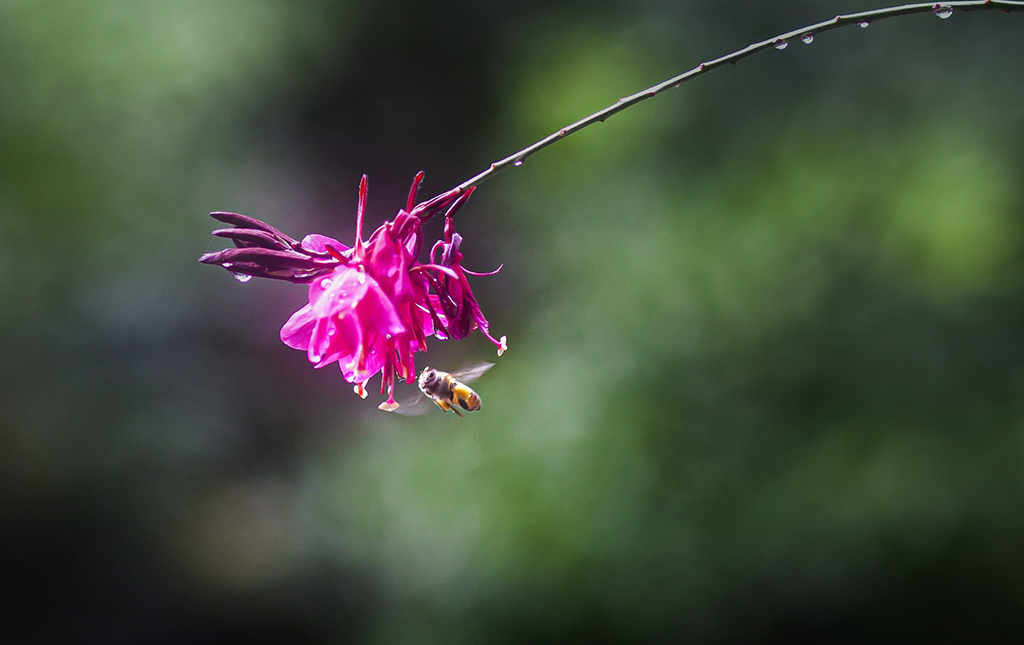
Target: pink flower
<point>370,306</point>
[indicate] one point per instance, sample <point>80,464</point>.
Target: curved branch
<point>943,10</point>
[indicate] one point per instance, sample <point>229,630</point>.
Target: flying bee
<point>448,390</point>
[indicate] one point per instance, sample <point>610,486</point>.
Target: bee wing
<point>414,405</point>
<point>471,373</point>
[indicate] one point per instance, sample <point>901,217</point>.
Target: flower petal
<point>297,332</point>
<point>319,244</point>
<point>251,237</point>
<point>244,221</point>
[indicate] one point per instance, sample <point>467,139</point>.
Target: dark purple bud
<point>265,252</point>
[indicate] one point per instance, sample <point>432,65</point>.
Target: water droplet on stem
<point>807,39</point>
<point>943,11</point>
<point>781,44</point>
<point>863,24</point>
<point>517,163</point>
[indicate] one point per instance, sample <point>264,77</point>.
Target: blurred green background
<point>766,366</point>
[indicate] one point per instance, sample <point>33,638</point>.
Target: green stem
<point>516,158</point>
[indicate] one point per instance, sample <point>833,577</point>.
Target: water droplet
<point>863,24</point>
<point>943,11</point>
<point>326,283</point>
<point>807,39</point>
<point>241,277</point>
<point>517,163</point>
<point>781,44</point>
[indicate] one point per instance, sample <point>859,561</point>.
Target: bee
<point>449,390</point>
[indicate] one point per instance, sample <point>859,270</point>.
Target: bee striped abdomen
<point>466,398</point>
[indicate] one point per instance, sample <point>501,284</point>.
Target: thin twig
<point>943,9</point>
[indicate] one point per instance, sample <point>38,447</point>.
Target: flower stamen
<point>360,389</point>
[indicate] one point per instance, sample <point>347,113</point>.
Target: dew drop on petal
<point>807,39</point>
<point>326,283</point>
<point>943,11</point>
<point>863,24</point>
<point>781,44</point>
<point>241,277</point>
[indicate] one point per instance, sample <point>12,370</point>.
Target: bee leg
<point>456,411</point>
<point>445,407</point>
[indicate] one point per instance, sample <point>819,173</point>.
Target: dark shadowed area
<point>765,375</point>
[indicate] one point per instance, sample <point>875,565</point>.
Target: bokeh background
<point>766,366</point>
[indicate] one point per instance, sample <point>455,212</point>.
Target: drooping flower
<point>370,306</point>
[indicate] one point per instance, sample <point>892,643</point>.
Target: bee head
<point>427,376</point>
